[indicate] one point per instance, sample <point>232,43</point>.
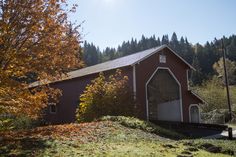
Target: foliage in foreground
<point>102,138</point>
<point>37,42</point>
<point>105,96</point>
<point>214,93</point>
<point>144,125</point>
<point>17,123</point>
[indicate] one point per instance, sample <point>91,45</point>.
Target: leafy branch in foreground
<point>37,39</point>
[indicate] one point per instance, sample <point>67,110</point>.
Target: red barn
<point>158,78</point>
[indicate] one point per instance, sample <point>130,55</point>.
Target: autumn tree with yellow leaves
<point>36,38</point>
<point>106,96</point>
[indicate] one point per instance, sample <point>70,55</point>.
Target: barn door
<point>164,97</point>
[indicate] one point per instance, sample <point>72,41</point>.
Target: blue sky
<point>110,22</point>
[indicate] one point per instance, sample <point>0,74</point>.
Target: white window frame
<point>50,109</point>
<point>162,58</point>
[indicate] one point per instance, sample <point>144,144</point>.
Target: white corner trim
<point>189,113</point>
<point>180,91</point>
<point>187,79</point>
<point>134,81</point>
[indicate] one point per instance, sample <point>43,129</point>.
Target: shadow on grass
<point>22,147</point>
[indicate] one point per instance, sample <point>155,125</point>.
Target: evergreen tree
<point>174,43</point>
<point>196,75</point>
<point>210,57</point>
<point>231,49</point>
<point>188,52</point>
<point>158,41</point>
<point>200,57</point>
<point>91,54</point>
<point>133,46</point>
<point>165,40</point>
<point>108,54</point>
<point>143,43</point>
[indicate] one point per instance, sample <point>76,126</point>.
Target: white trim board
<point>134,81</point>
<point>180,91</point>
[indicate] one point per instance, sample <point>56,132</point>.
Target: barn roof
<point>114,64</point>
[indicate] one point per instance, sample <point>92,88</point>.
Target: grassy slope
<point>111,137</point>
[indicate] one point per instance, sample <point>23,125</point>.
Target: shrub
<point>16,123</point>
<point>23,122</point>
<point>214,93</point>
<point>6,124</point>
<point>105,96</point>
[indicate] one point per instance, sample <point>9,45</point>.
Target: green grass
<point>135,123</point>
<point>113,136</point>
<point>226,145</point>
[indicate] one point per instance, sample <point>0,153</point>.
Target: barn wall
<point>147,67</point>
<point>190,99</point>
<point>71,90</point>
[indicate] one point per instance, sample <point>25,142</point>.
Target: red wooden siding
<point>147,67</point>
<point>71,90</point>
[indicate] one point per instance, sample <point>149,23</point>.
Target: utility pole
<point>226,80</point>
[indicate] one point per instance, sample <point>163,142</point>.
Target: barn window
<point>52,108</point>
<point>162,59</point>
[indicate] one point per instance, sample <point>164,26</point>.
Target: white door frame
<point>189,112</point>
<point>180,91</point>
